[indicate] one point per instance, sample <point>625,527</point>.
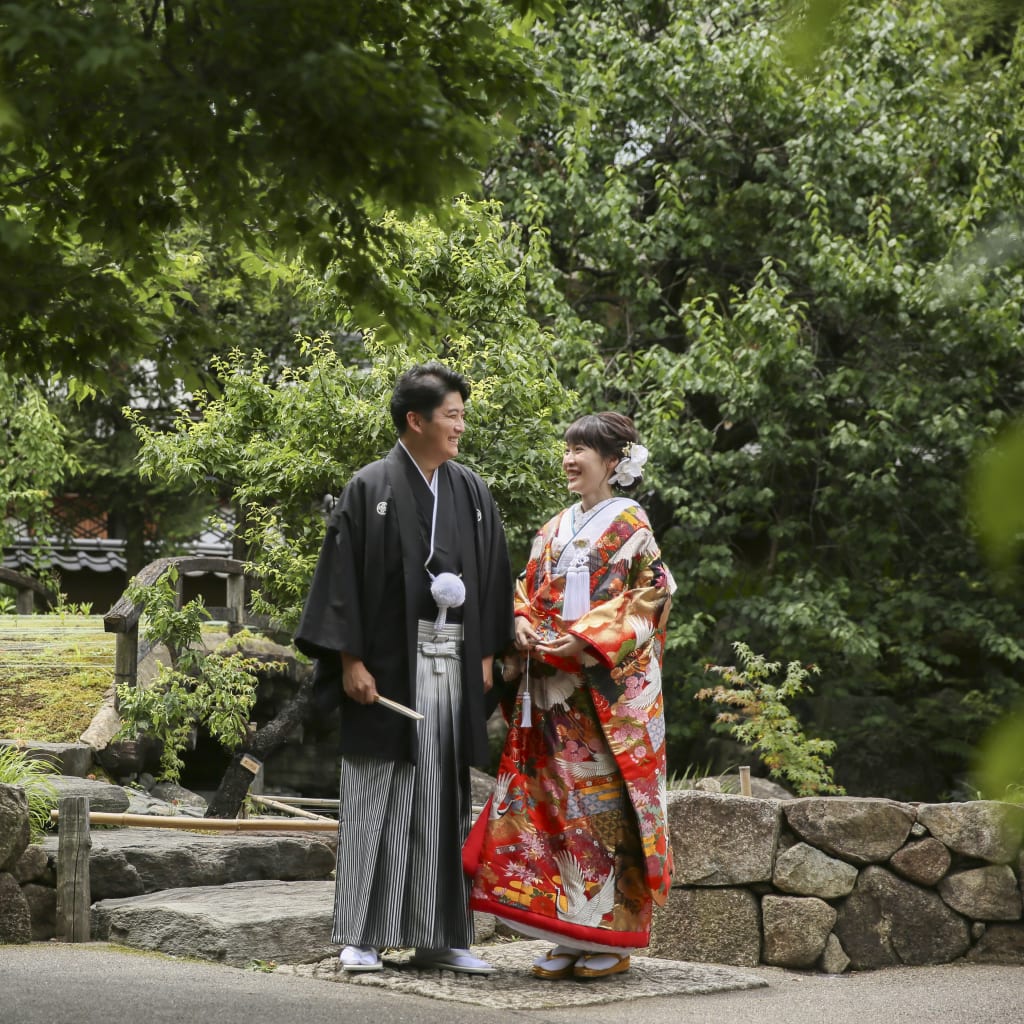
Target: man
<point>407,534</point>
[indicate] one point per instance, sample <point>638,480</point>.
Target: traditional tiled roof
<point>84,545</point>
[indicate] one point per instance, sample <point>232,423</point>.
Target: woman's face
<point>587,471</point>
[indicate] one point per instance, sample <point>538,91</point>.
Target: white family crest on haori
<point>382,508</point>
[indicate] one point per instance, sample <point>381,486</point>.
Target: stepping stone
<point>236,924</point>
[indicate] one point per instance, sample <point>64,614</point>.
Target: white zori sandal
<point>360,958</point>
<point>557,963</point>
<point>600,965</point>
<point>459,960</point>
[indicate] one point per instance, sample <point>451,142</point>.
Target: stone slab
<point>132,861</point>
<point>64,758</point>
<point>515,986</point>
<point>236,924</point>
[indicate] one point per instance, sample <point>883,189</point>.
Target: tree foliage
<point>214,689</point>
<point>277,443</point>
<point>281,128</point>
<point>807,288</point>
<point>757,713</point>
<point>34,459</point>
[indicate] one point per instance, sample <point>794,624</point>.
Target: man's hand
<point>357,681</point>
<point>488,670</point>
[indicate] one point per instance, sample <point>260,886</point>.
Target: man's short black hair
<point>422,389</point>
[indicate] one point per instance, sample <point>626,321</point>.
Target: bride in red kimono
<point>573,846</point>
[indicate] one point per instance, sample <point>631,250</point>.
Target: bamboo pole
<point>276,805</point>
<point>309,801</point>
<point>745,780</point>
<point>73,845</point>
<point>208,824</point>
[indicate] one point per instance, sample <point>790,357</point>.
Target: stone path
<point>515,985</point>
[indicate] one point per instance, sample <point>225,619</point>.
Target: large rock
<point>1000,944</point>
<point>102,795</point>
<point>14,827</point>
<point>62,758</point>
<point>857,829</point>
<point>722,840</point>
<point>42,908</point>
<point>105,725</point>
<point>834,960</point>
<point>132,861</point>
<point>985,829</point>
<point>984,894</point>
<point>283,922</point>
<point>718,926</point>
<point>796,929</point>
<point>805,871</point>
<point>887,921</point>
<point>178,797</point>
<point>760,789</point>
<point>924,861</point>
<point>15,919</point>
<point>31,866</point>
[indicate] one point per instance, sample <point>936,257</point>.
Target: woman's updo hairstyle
<point>607,433</point>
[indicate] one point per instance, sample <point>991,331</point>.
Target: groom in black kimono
<point>411,600</point>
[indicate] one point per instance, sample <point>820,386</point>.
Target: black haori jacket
<point>368,586</point>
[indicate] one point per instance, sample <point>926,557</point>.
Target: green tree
<point>278,443</point>
<point>806,287</point>
<point>34,460</point>
<point>281,128</point>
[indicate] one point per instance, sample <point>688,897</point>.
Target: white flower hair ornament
<point>631,466</point>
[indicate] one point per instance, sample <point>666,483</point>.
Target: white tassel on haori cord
<point>448,591</point>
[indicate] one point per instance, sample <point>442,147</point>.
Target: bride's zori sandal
<point>600,965</point>
<point>557,963</point>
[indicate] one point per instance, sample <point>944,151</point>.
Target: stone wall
<point>18,862</point>
<point>831,883</point>
<point>825,883</point>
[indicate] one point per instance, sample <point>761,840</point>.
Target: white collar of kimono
<point>432,485</point>
<point>571,537</point>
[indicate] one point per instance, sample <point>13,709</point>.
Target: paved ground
<point>50,983</point>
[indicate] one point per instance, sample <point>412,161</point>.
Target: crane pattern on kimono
<point>573,904</point>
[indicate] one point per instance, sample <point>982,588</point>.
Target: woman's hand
<point>564,646</point>
<point>526,636</point>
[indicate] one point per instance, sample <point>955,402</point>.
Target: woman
<point>573,846</point>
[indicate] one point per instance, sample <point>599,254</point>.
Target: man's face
<point>438,437</point>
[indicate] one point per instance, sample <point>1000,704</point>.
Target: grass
<point>54,671</point>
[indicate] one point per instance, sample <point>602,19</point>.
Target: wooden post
<point>236,600</point>
<point>126,659</point>
<point>73,845</point>
<point>745,780</point>
<point>254,766</point>
<point>25,602</point>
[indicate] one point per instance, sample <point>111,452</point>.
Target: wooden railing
<point>123,618</point>
<point>27,590</point>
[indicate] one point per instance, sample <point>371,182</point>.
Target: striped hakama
<point>400,881</point>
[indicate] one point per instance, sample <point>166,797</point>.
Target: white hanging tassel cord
<point>526,718</point>
<point>576,599</point>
